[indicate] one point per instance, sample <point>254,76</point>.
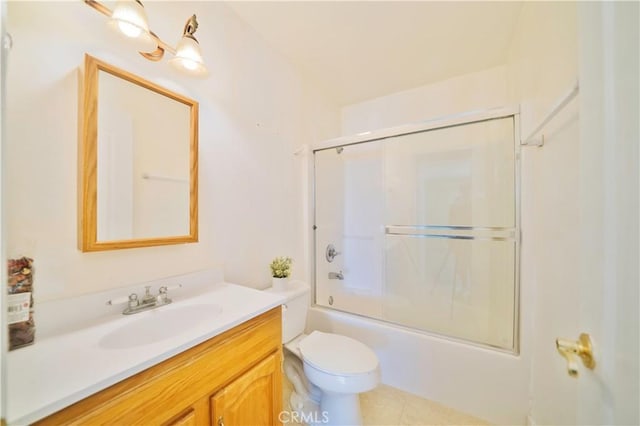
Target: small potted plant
<point>280,271</point>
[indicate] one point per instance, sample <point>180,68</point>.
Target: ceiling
<point>358,50</point>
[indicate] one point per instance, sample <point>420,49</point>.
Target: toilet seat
<point>294,345</point>
<point>337,355</point>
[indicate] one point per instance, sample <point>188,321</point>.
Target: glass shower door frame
<point>454,232</point>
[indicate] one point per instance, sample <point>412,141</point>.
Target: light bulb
<point>188,57</point>
<point>129,30</point>
<point>189,64</point>
<point>129,19</point>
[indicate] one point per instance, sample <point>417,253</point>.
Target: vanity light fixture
<point>188,55</point>
<point>129,18</point>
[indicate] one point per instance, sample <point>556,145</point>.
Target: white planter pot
<point>279,284</point>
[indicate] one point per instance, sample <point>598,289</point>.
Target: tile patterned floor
<point>389,406</point>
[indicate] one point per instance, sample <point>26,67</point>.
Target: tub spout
<point>336,276</point>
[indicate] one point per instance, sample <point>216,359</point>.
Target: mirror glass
<point>139,167</point>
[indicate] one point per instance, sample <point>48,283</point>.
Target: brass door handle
<point>571,349</point>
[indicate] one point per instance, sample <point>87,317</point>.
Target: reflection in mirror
<point>139,162</point>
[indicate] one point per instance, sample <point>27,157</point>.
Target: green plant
<point>281,267</point>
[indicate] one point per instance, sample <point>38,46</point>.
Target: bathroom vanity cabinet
<point>232,379</point>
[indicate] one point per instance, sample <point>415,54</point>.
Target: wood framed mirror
<point>138,162</point>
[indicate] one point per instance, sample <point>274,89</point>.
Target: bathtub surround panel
<point>255,110</point>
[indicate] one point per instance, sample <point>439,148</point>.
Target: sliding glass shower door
<point>424,230</point>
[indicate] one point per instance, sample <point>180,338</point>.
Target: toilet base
<point>341,409</point>
<point>304,410</point>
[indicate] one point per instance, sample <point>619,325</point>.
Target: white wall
<point>255,111</point>
<point>476,91</point>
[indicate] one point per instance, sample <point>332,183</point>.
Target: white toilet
<point>336,368</point>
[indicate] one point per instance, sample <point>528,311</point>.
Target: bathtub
<point>486,383</point>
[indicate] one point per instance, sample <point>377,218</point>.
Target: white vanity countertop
<point>59,370</point>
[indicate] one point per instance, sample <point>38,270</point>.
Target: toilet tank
<point>294,310</point>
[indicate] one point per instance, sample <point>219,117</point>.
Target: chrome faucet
<point>148,298</point>
<point>336,276</point>
<point>149,301</point>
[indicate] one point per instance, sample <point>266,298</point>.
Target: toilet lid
<point>335,354</point>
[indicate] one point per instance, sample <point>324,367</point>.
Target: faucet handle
<point>163,293</point>
<point>133,300</point>
<point>123,299</point>
<point>164,289</point>
<point>331,253</point>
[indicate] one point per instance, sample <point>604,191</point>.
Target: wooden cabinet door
<point>188,418</point>
<point>198,414</point>
<point>255,398</point>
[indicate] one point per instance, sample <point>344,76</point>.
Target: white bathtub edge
<point>486,383</point>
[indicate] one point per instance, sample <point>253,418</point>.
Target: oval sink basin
<point>159,324</point>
